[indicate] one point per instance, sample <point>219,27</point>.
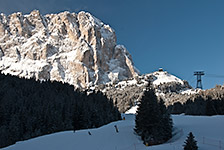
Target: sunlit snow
<point>165,77</point>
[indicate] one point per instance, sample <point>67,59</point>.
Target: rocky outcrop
<point>215,93</point>
<point>75,48</point>
<point>128,93</point>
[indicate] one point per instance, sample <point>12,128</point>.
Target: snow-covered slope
<point>161,77</point>
<point>171,88</point>
<point>166,82</point>
<point>128,92</point>
<point>75,48</point>
<point>208,132</point>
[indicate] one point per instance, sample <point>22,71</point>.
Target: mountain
<point>127,93</point>
<point>81,50</point>
<point>78,49</point>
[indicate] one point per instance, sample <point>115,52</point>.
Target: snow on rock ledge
<point>75,48</point>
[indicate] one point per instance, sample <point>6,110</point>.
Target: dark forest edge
<point>29,108</point>
<point>206,106</point>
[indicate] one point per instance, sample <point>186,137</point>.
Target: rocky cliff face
<point>75,48</point>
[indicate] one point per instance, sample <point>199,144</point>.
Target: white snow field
<point>165,77</point>
<point>208,132</point>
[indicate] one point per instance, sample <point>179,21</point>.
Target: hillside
<point>168,87</point>
<point>29,109</point>
<point>127,93</point>
<point>106,138</point>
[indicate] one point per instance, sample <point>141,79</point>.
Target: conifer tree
<point>165,122</point>
<point>152,119</point>
<point>190,143</point>
<point>147,117</point>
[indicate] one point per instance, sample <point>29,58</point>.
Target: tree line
<point>30,108</point>
<point>207,106</point>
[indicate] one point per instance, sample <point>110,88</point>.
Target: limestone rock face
<point>75,48</point>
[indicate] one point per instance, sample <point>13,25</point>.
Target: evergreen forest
<point>30,108</point>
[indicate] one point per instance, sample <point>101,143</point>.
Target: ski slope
<point>208,132</point>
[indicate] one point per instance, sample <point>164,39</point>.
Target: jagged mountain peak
<point>76,48</point>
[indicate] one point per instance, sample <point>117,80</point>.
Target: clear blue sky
<point>181,36</point>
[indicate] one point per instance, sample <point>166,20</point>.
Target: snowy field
<point>208,131</point>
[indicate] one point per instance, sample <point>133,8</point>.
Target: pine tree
<point>151,120</point>
<point>190,143</point>
<point>165,122</point>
